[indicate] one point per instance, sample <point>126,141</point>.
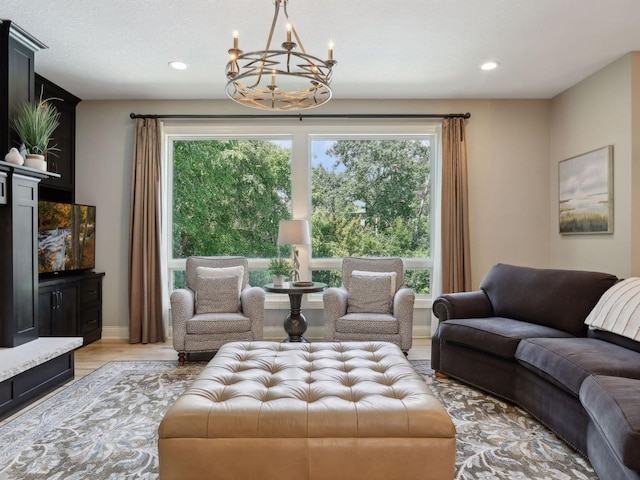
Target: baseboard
<point>118,333</point>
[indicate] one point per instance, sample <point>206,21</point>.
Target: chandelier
<point>279,79</point>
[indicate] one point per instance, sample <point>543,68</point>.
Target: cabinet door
<point>17,80</point>
<point>66,312</point>
<point>58,310</point>
<point>24,258</point>
<point>63,161</point>
<point>46,311</point>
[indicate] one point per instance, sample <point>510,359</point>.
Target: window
<point>228,196</point>
<point>371,196</point>
<point>366,192</point>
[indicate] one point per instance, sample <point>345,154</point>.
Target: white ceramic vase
<point>14,157</point>
<point>278,280</point>
<point>35,161</point>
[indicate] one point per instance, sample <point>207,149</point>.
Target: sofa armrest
<point>183,307</point>
<point>462,305</point>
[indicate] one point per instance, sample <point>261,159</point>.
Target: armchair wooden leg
<point>181,357</point>
<point>441,375</point>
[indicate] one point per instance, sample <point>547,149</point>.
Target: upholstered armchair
<point>217,306</point>
<point>372,304</point>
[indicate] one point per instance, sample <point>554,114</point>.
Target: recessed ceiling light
<point>489,65</point>
<point>178,65</point>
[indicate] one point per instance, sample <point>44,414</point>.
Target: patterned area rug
<point>104,426</point>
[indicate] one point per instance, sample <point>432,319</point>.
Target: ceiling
<point>120,49</point>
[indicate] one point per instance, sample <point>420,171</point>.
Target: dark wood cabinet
<point>63,160</point>
<point>90,320</point>
<point>71,306</point>
<point>19,259</point>
<point>17,77</point>
<point>58,306</point>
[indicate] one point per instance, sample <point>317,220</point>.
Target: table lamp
<point>294,232</point>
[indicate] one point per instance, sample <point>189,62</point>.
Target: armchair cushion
<point>369,294</point>
<point>235,271</point>
<point>392,275</point>
<point>217,294</point>
<point>383,324</point>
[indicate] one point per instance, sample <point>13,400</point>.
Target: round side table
<point>295,324</point>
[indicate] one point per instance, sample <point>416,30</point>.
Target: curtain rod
<point>301,117</point>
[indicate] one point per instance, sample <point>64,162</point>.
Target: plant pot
<point>278,280</point>
<point>35,161</point>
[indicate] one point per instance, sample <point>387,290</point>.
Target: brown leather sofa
<point>522,337</point>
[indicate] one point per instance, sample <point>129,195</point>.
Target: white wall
<point>509,184</point>
<point>592,114</point>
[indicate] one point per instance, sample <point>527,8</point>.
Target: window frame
<point>301,136</point>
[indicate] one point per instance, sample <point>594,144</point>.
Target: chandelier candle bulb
<point>288,32</point>
<point>331,51</point>
<point>235,41</point>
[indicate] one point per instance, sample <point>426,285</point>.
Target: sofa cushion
<point>495,335</point>
<point>612,404</point>
<point>613,338</point>
<point>559,299</point>
<point>566,362</point>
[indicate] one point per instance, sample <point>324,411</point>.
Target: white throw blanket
<point>618,310</point>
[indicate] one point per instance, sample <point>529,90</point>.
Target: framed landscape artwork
<point>585,193</point>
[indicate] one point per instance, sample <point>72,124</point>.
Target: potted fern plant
<point>279,268</point>
<point>35,122</point>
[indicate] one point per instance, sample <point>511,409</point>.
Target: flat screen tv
<point>66,237</point>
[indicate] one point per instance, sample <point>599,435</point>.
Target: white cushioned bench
<point>266,410</point>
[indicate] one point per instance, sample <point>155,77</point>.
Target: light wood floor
<point>96,354</point>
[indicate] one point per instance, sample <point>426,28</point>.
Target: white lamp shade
<point>293,232</point>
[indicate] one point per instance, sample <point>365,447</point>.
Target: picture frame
<point>585,193</point>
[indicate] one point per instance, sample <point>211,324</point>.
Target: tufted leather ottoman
<point>265,410</point>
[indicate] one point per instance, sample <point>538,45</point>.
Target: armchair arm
<point>462,305</point>
<point>403,302</point>
<point>252,305</point>
<point>335,306</point>
<point>183,303</point>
